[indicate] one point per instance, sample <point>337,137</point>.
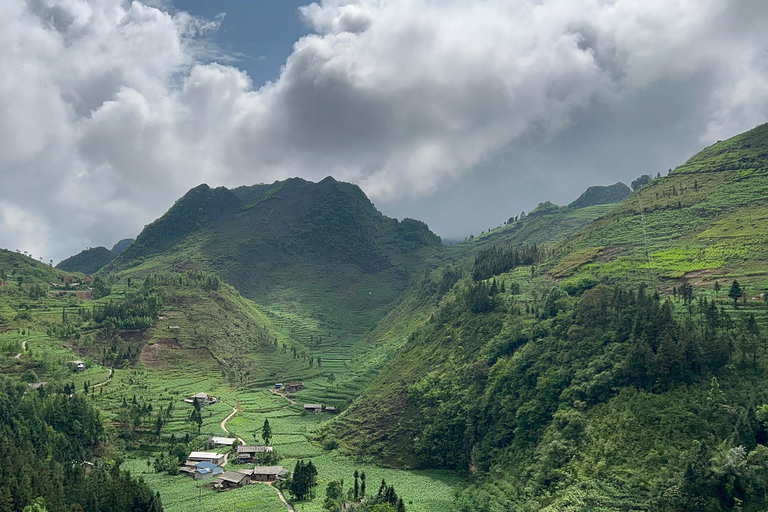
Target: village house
<point>248,453</point>
<point>78,366</point>
<point>292,387</point>
<point>212,457</point>
<point>37,385</point>
<point>315,408</point>
<point>202,399</point>
<point>231,480</point>
<point>206,470</point>
<point>265,473</point>
<point>222,441</point>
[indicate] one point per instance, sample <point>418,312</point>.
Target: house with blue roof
<point>206,470</point>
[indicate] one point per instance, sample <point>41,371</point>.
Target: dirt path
<point>276,392</point>
<point>225,420</point>
<point>23,349</point>
<point>282,498</point>
<point>109,378</point>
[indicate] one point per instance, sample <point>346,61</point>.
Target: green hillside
<point>88,261</point>
<point>617,399</point>
<point>615,193</point>
<point>317,254</point>
<point>546,223</point>
<point>707,221</point>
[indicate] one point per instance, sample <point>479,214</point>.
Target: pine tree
<point>266,431</point>
<point>735,293</point>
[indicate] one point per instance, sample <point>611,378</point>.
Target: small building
<point>292,387</point>
<point>202,399</point>
<point>279,385</point>
<point>248,453</point>
<point>267,473</point>
<point>315,408</point>
<point>212,457</point>
<point>222,441</point>
<point>78,366</point>
<point>206,470</point>
<point>231,479</point>
<point>330,409</point>
<point>37,385</point>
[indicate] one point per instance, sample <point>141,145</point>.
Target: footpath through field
<point>23,349</point>
<point>225,420</point>
<point>109,378</point>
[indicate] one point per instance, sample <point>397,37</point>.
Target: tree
<point>304,479</point>
<point>357,486</point>
<point>735,292</point>
<point>640,182</point>
<point>333,496</point>
<point>362,484</point>
<point>266,431</point>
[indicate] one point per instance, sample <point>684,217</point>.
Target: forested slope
<point>556,392</point>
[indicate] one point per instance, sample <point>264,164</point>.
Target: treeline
<point>516,388</point>
<point>188,278</point>
<point>48,439</point>
<point>137,310</point>
<point>496,260</point>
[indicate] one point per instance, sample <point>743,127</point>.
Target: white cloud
<point>107,113</point>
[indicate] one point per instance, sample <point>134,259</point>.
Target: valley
<point>605,355</point>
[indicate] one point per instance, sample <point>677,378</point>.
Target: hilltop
<point>319,254</point>
<point>88,261</point>
<point>615,193</point>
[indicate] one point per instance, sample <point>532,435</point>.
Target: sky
<point>458,113</point>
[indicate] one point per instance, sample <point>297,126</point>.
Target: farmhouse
<point>330,409</point>
<point>212,457</point>
<point>202,399</point>
<point>315,408</point>
<point>292,387</point>
<point>37,385</point>
<point>222,441</point>
<point>266,473</point>
<point>231,479</point>
<point>206,470</point>
<point>78,366</point>
<point>247,453</point>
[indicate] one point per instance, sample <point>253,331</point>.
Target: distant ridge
<point>122,245</point>
<point>88,261</point>
<point>602,195</point>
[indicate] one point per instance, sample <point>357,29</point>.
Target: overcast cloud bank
<point>108,112</point>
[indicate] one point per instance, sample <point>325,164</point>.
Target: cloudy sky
<point>460,113</point>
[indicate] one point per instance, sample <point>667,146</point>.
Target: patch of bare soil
<point>151,354</point>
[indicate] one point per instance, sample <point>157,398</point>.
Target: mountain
<point>607,371</point>
<point>15,265</point>
<point>122,245</point>
<point>319,252</point>
<point>88,261</point>
<point>602,195</point>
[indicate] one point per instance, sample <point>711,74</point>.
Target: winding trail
<point>282,498</point>
<point>225,420</point>
<point>23,349</point>
<point>276,392</point>
<point>109,378</point>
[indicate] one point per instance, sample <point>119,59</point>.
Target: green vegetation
<point>606,357</point>
<point>88,261</point>
<point>615,193</point>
